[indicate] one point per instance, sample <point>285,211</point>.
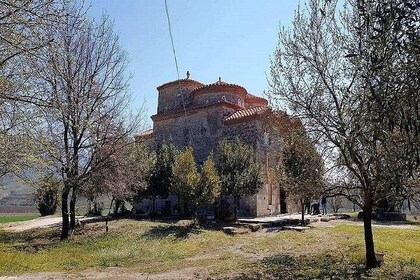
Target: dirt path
<point>51,221</point>
<point>115,273</point>
<point>42,222</point>
<point>334,223</point>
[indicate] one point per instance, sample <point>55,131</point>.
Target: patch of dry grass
<point>147,247</point>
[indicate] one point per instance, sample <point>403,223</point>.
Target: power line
<point>176,65</point>
<point>172,39</point>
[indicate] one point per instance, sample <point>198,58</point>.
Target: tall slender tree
<point>160,178</point>
<point>185,178</point>
<point>82,74</point>
<point>347,73</point>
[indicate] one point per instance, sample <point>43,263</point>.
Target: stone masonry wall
<point>201,130</point>
<point>267,200</point>
<point>207,98</point>
<point>173,99</point>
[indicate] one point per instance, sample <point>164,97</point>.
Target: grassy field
<point>141,246</point>
<point>8,218</point>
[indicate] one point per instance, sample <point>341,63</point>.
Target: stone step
<point>235,230</point>
<point>297,228</point>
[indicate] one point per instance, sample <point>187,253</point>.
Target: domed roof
<point>183,82</point>
<point>252,99</point>
<point>220,86</point>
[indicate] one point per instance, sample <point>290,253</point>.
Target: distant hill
<point>14,192</point>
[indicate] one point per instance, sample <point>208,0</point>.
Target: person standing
<point>324,204</point>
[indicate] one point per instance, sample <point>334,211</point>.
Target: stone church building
<point>194,114</point>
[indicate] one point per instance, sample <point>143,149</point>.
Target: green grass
<point>147,247</point>
<point>17,217</point>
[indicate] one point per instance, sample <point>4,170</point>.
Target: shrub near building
<point>46,196</point>
<point>239,172</point>
<point>190,185</point>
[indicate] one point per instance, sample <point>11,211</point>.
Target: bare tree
<point>123,175</point>
<point>82,74</point>
<point>21,36</point>
<point>336,202</point>
<point>20,23</point>
<point>343,72</point>
<point>12,141</point>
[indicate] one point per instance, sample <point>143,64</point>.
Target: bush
<point>95,207</point>
<point>46,196</point>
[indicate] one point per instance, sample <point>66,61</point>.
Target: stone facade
<point>191,113</point>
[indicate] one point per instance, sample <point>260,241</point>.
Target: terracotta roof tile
<point>247,113</point>
<point>219,85</point>
<point>251,96</point>
<point>146,134</point>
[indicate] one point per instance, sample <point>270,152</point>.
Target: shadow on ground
<point>285,266</point>
<point>31,240</point>
<point>184,228</point>
<point>177,231</point>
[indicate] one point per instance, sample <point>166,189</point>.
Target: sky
<point>231,39</point>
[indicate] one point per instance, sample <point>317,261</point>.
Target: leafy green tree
<point>208,188</point>
<point>46,195</point>
<point>160,178</point>
<point>239,172</point>
<point>142,161</point>
<point>189,184</point>
<point>303,168</point>
<point>185,177</point>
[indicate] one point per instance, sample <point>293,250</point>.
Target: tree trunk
<point>195,211</point>
<point>370,248</point>
<point>65,214</point>
<point>186,210</point>
<point>153,209</point>
<point>73,209</point>
<point>302,203</point>
<point>109,213</point>
<point>180,210</point>
<point>235,208</point>
<point>117,206</point>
